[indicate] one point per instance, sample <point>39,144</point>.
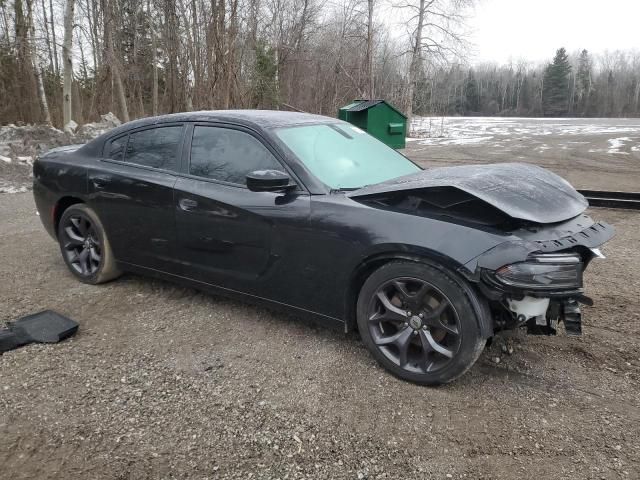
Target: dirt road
<point>166,382</point>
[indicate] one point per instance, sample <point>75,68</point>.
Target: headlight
<point>543,272</point>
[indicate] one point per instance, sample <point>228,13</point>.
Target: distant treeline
<point>583,85</point>
<point>64,60</point>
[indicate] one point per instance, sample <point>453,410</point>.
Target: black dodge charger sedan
<point>313,214</point>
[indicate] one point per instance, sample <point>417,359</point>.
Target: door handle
<point>99,182</point>
<point>187,204</point>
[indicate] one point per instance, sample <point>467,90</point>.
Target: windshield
<point>343,156</point>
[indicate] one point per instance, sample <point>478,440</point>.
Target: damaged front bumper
<point>536,281</point>
<point>542,315</point>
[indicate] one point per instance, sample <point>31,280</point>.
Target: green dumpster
<point>379,118</point>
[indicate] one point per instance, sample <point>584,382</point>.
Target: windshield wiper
<point>341,132</point>
<point>345,189</point>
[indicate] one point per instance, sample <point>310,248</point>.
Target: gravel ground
<point>166,382</point>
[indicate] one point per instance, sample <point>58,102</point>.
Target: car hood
<point>519,190</point>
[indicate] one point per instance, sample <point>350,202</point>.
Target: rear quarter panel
<point>57,175</point>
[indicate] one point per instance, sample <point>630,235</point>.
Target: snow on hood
<point>522,191</point>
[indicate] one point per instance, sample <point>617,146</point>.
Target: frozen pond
<point>598,153</point>
<point>620,136</point>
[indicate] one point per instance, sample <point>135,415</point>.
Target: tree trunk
<point>5,24</point>
<point>122,98</point>
<point>53,37</point>
<point>369,53</point>
<point>67,112</point>
<point>36,69</point>
<point>230,61</point>
<point>154,61</point>
<point>42,94</point>
<point>113,63</point>
<point>46,35</point>
<point>26,84</point>
<point>172,49</point>
<point>416,61</point>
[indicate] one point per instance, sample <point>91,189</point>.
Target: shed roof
<point>359,105</point>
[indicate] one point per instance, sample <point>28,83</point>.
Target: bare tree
<point>436,35</point>
<point>369,51</point>
<point>36,68</point>
<point>67,111</point>
<point>160,56</point>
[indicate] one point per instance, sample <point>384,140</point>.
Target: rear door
<point>228,235</point>
<point>132,192</point>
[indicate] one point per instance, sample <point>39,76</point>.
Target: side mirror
<point>268,181</point>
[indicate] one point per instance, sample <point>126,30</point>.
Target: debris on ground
<point>43,327</point>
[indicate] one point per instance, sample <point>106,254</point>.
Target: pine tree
<point>265,89</point>
<point>583,83</point>
<point>555,90</point>
<point>472,97</point>
<point>524,101</point>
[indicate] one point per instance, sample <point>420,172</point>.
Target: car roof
<point>262,119</point>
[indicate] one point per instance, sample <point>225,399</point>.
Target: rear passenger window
<point>115,148</point>
<point>156,147</point>
<point>228,155</point>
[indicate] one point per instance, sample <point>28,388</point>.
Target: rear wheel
<point>418,322</point>
<point>85,247</point>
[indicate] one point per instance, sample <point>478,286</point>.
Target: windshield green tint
<point>344,156</point>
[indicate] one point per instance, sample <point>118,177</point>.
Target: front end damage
<point>537,282</point>
<point>534,277</point>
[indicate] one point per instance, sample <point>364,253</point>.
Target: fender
<point>437,261</point>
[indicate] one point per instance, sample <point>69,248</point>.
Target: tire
<point>85,247</point>
<point>418,322</point>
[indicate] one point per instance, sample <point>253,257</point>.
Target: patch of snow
<point>12,189</point>
<point>616,143</point>
<point>21,144</point>
<point>454,127</point>
<point>454,141</point>
<point>71,127</point>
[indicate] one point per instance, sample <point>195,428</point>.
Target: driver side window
<point>228,155</point>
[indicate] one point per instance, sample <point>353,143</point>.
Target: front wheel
<point>85,247</point>
<point>418,322</point>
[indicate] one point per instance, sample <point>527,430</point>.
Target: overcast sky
<point>534,29</point>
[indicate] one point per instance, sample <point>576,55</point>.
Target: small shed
<point>378,118</point>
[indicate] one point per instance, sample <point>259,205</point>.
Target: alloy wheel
<point>414,325</point>
<point>81,245</point>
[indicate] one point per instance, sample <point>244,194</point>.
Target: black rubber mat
<point>43,327</point>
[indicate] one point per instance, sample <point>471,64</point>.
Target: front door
<point>228,235</point>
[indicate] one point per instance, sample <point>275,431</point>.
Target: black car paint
<point>307,248</point>
<point>521,191</point>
